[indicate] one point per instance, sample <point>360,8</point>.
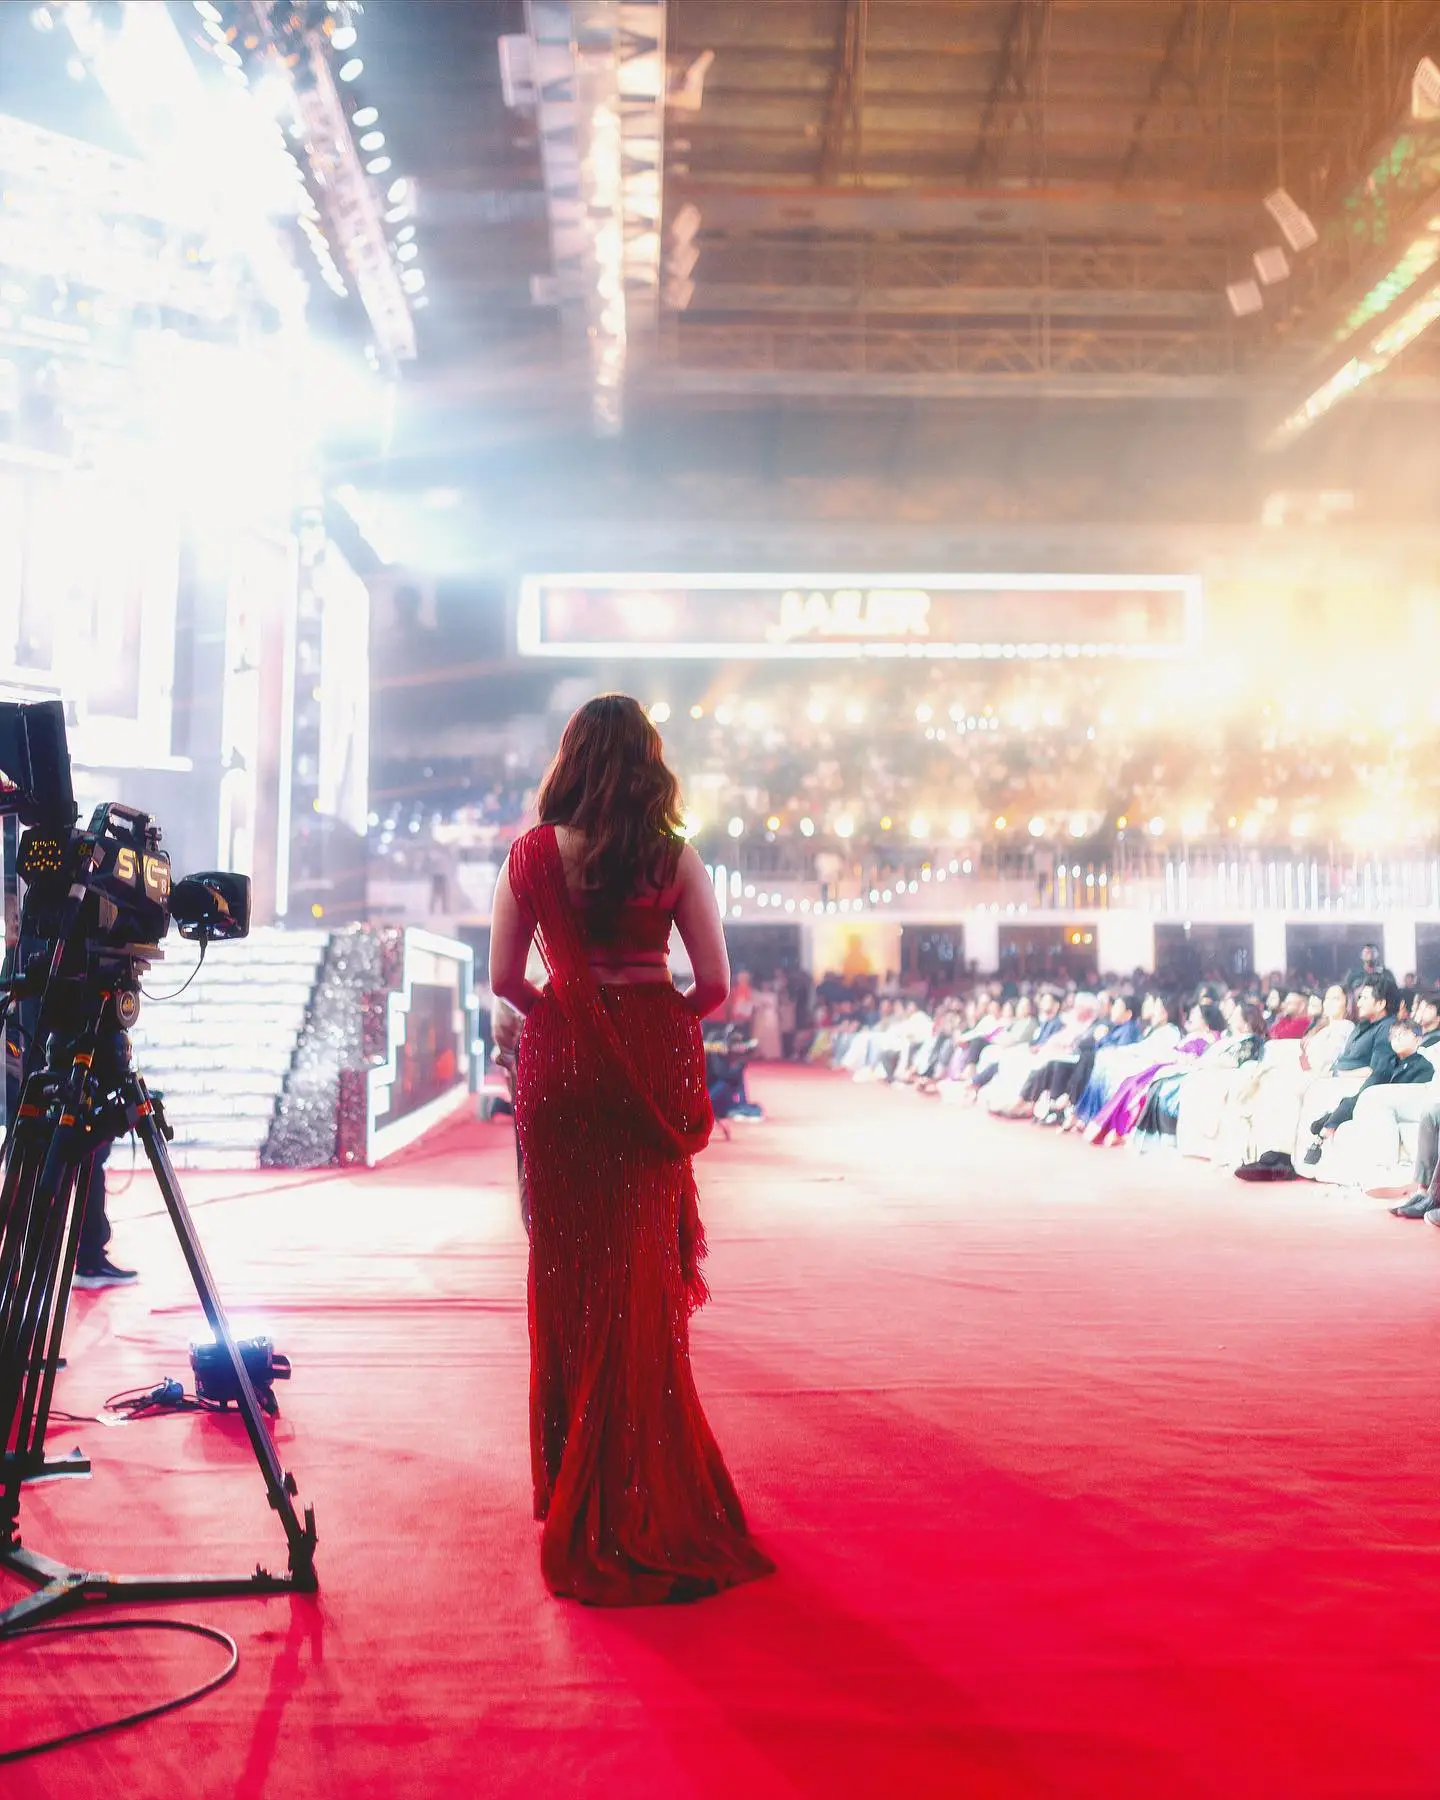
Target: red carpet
<point>1086,1475</point>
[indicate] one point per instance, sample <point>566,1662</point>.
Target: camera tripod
<point>79,1093</point>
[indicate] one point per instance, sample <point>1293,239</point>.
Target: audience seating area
<point>1341,1087</point>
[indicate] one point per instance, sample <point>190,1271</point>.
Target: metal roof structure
<point>900,203</point>
<point>979,197</point>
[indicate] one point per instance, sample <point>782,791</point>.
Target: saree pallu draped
<point>1121,1114</point>
<point>610,1106</point>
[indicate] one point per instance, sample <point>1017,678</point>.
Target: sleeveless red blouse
<point>639,930</point>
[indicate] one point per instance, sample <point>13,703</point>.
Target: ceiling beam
<point>1025,32</point>
<point>847,94</point>
<point>956,302</point>
<point>825,384</point>
<point>944,211</point>
<point>1180,28</point>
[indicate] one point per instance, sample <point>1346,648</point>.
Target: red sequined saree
<point>611,1104</point>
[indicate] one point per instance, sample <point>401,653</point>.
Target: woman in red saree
<point>610,1105</point>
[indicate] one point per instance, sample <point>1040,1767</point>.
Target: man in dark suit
<point>1388,1047</point>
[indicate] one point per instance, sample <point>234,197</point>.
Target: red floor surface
<point>1087,1475</point>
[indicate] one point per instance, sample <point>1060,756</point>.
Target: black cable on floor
<point>215,1636</point>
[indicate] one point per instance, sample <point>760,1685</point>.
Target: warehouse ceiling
<point>897,229</point>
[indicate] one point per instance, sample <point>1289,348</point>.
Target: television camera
<point>98,903</point>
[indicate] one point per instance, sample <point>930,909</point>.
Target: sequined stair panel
<point>220,1052</point>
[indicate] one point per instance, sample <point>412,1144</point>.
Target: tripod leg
<point>45,1367</point>
<point>279,1485</point>
<point>32,1244</point>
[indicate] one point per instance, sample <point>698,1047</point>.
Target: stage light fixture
<point>377,165</point>
<point>352,70</point>
<point>373,140</point>
<point>404,235</point>
<point>1296,225</point>
<point>1245,298</point>
<point>412,280</point>
<point>398,191</point>
<point>343,37</point>
<point>1425,92</point>
<point>365,116</point>
<point>736,828</point>
<point>208,11</point>
<point>407,252</point>
<point>1271,264</point>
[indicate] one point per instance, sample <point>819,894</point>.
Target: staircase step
<point>200,1156</point>
<point>225,1084</point>
<point>155,1063</point>
<point>241,1132</point>
<point>220,1052</point>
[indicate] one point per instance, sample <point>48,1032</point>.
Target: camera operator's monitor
<point>35,764</point>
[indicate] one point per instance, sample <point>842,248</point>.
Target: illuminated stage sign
<point>751,616</point>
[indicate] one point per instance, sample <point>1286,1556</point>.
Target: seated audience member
<point>727,1050</point>
<point>1368,1052</point>
<point>1160,1035</point>
<point>1404,1066</point>
<point>821,1045</point>
<point>934,1054</point>
<point>874,1019</point>
<point>909,1028</point>
<point>1065,1080</point>
<point>1424,1196</point>
<point>1061,1048</point>
<point>1242,1044</point>
<point>1016,1035</point>
<point>1269,1108</point>
<point>1425,1011</point>
<point>971,1045</point>
<point>1292,1020</point>
<point>1006,1069</point>
<point>1122,1112</point>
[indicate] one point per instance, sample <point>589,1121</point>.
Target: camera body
<point>98,900</point>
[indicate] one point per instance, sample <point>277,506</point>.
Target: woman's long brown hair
<point>609,782</point>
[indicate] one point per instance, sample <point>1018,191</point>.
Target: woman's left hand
<point>506,1025</point>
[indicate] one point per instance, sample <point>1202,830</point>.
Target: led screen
<point>858,615</point>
